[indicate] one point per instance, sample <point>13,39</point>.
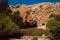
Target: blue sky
<point>12,2</point>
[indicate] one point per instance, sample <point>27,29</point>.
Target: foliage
<point>9,24</point>
<point>33,32</point>
<point>53,26</point>
<point>17,6</point>
<point>34,38</point>
<point>6,24</point>
<point>17,13</point>
<point>17,19</point>
<point>9,10</point>
<point>3,5</point>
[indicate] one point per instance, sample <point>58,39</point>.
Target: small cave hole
<point>43,24</point>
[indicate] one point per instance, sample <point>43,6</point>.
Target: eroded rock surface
<point>38,12</point>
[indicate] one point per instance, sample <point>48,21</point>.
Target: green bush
<point>7,25</point>
<point>6,22</point>
<point>34,38</point>
<point>53,23</point>
<point>53,27</point>
<point>18,20</point>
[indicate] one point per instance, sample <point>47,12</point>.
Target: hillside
<point>37,12</point>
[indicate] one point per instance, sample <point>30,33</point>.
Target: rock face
<point>38,12</point>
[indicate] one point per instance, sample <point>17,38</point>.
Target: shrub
<point>17,13</point>
<point>34,32</point>
<point>17,6</point>
<point>53,26</point>
<point>34,38</point>
<point>18,20</point>
<point>7,25</point>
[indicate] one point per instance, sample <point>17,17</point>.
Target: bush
<point>33,32</point>
<point>18,20</point>
<point>17,6</point>
<point>7,26</point>
<point>17,13</point>
<point>34,38</point>
<point>53,26</point>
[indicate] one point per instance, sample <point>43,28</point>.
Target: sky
<point>29,2</point>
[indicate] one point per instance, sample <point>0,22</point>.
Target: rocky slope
<point>38,12</point>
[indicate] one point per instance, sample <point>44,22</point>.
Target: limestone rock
<point>38,12</point>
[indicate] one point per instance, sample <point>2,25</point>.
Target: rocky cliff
<point>38,12</point>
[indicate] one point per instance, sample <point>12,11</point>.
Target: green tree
<point>53,26</point>
<point>3,5</point>
<point>6,23</point>
<point>34,38</point>
<point>17,19</point>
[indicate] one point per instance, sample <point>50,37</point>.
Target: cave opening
<point>29,25</point>
<point>43,24</point>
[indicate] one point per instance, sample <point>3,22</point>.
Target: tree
<point>6,24</point>
<point>34,38</point>
<point>53,26</point>
<point>17,19</point>
<point>3,5</point>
